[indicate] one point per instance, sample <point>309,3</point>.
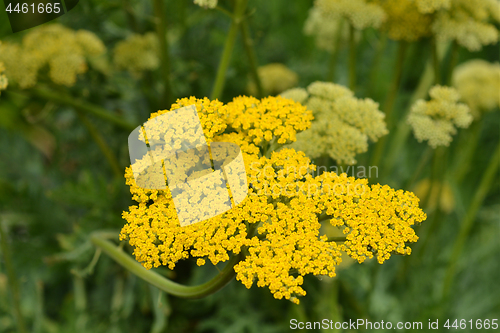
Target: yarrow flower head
<point>278,224</point>
<point>478,83</point>
<point>64,51</point>
<point>436,120</point>
<point>467,22</point>
<point>359,13</point>
<point>404,19</point>
<point>343,124</point>
<point>138,53</point>
<point>275,78</point>
<point>206,3</point>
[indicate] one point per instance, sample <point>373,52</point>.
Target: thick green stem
<point>99,140</point>
<point>352,58</point>
<point>167,97</point>
<point>390,101</point>
<point>220,79</point>
<point>12,280</point>
<point>467,223</point>
<point>162,283</point>
<point>335,52</point>
<point>78,104</point>
<point>252,58</point>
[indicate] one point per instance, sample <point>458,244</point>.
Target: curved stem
<point>161,29</point>
<point>465,228</point>
<point>220,79</point>
<point>12,280</point>
<point>162,283</point>
<point>252,58</point>
<point>99,140</point>
<point>352,58</point>
<point>62,98</point>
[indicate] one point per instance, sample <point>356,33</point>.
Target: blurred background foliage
<point>56,187</point>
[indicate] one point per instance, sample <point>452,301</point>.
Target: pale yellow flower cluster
<point>467,22</point>
<point>343,124</point>
<point>404,19</point>
<point>359,13</point>
<point>278,223</point>
<point>206,3</point>
<point>326,28</point>
<point>3,79</point>
<point>138,53</point>
<point>478,83</point>
<point>62,49</point>
<point>327,17</point>
<point>274,78</point>
<point>435,120</point>
<point>430,6</point>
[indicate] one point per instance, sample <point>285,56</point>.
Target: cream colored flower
<point>274,78</point>
<point>478,83</point>
<point>435,120</point>
<point>138,53</point>
<point>343,124</point>
<point>64,51</point>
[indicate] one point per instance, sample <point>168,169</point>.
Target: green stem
<point>78,104</point>
<point>420,167</point>
<point>352,58</point>
<point>466,226</point>
<point>161,29</point>
<point>336,239</point>
<point>252,58</point>
<point>12,280</point>
<point>390,101</point>
<point>220,79</point>
<point>435,62</point>
<point>162,283</point>
<point>99,140</point>
<point>466,154</point>
<point>455,50</point>
<point>374,68</point>
<point>335,52</point>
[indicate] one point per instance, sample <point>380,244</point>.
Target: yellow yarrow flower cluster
<point>277,225</point>
<point>274,78</point>
<point>343,124</point>
<point>63,50</point>
<point>467,22</point>
<point>478,83</point>
<point>270,119</point>
<point>137,53</point>
<point>404,20</point>
<point>435,120</point>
